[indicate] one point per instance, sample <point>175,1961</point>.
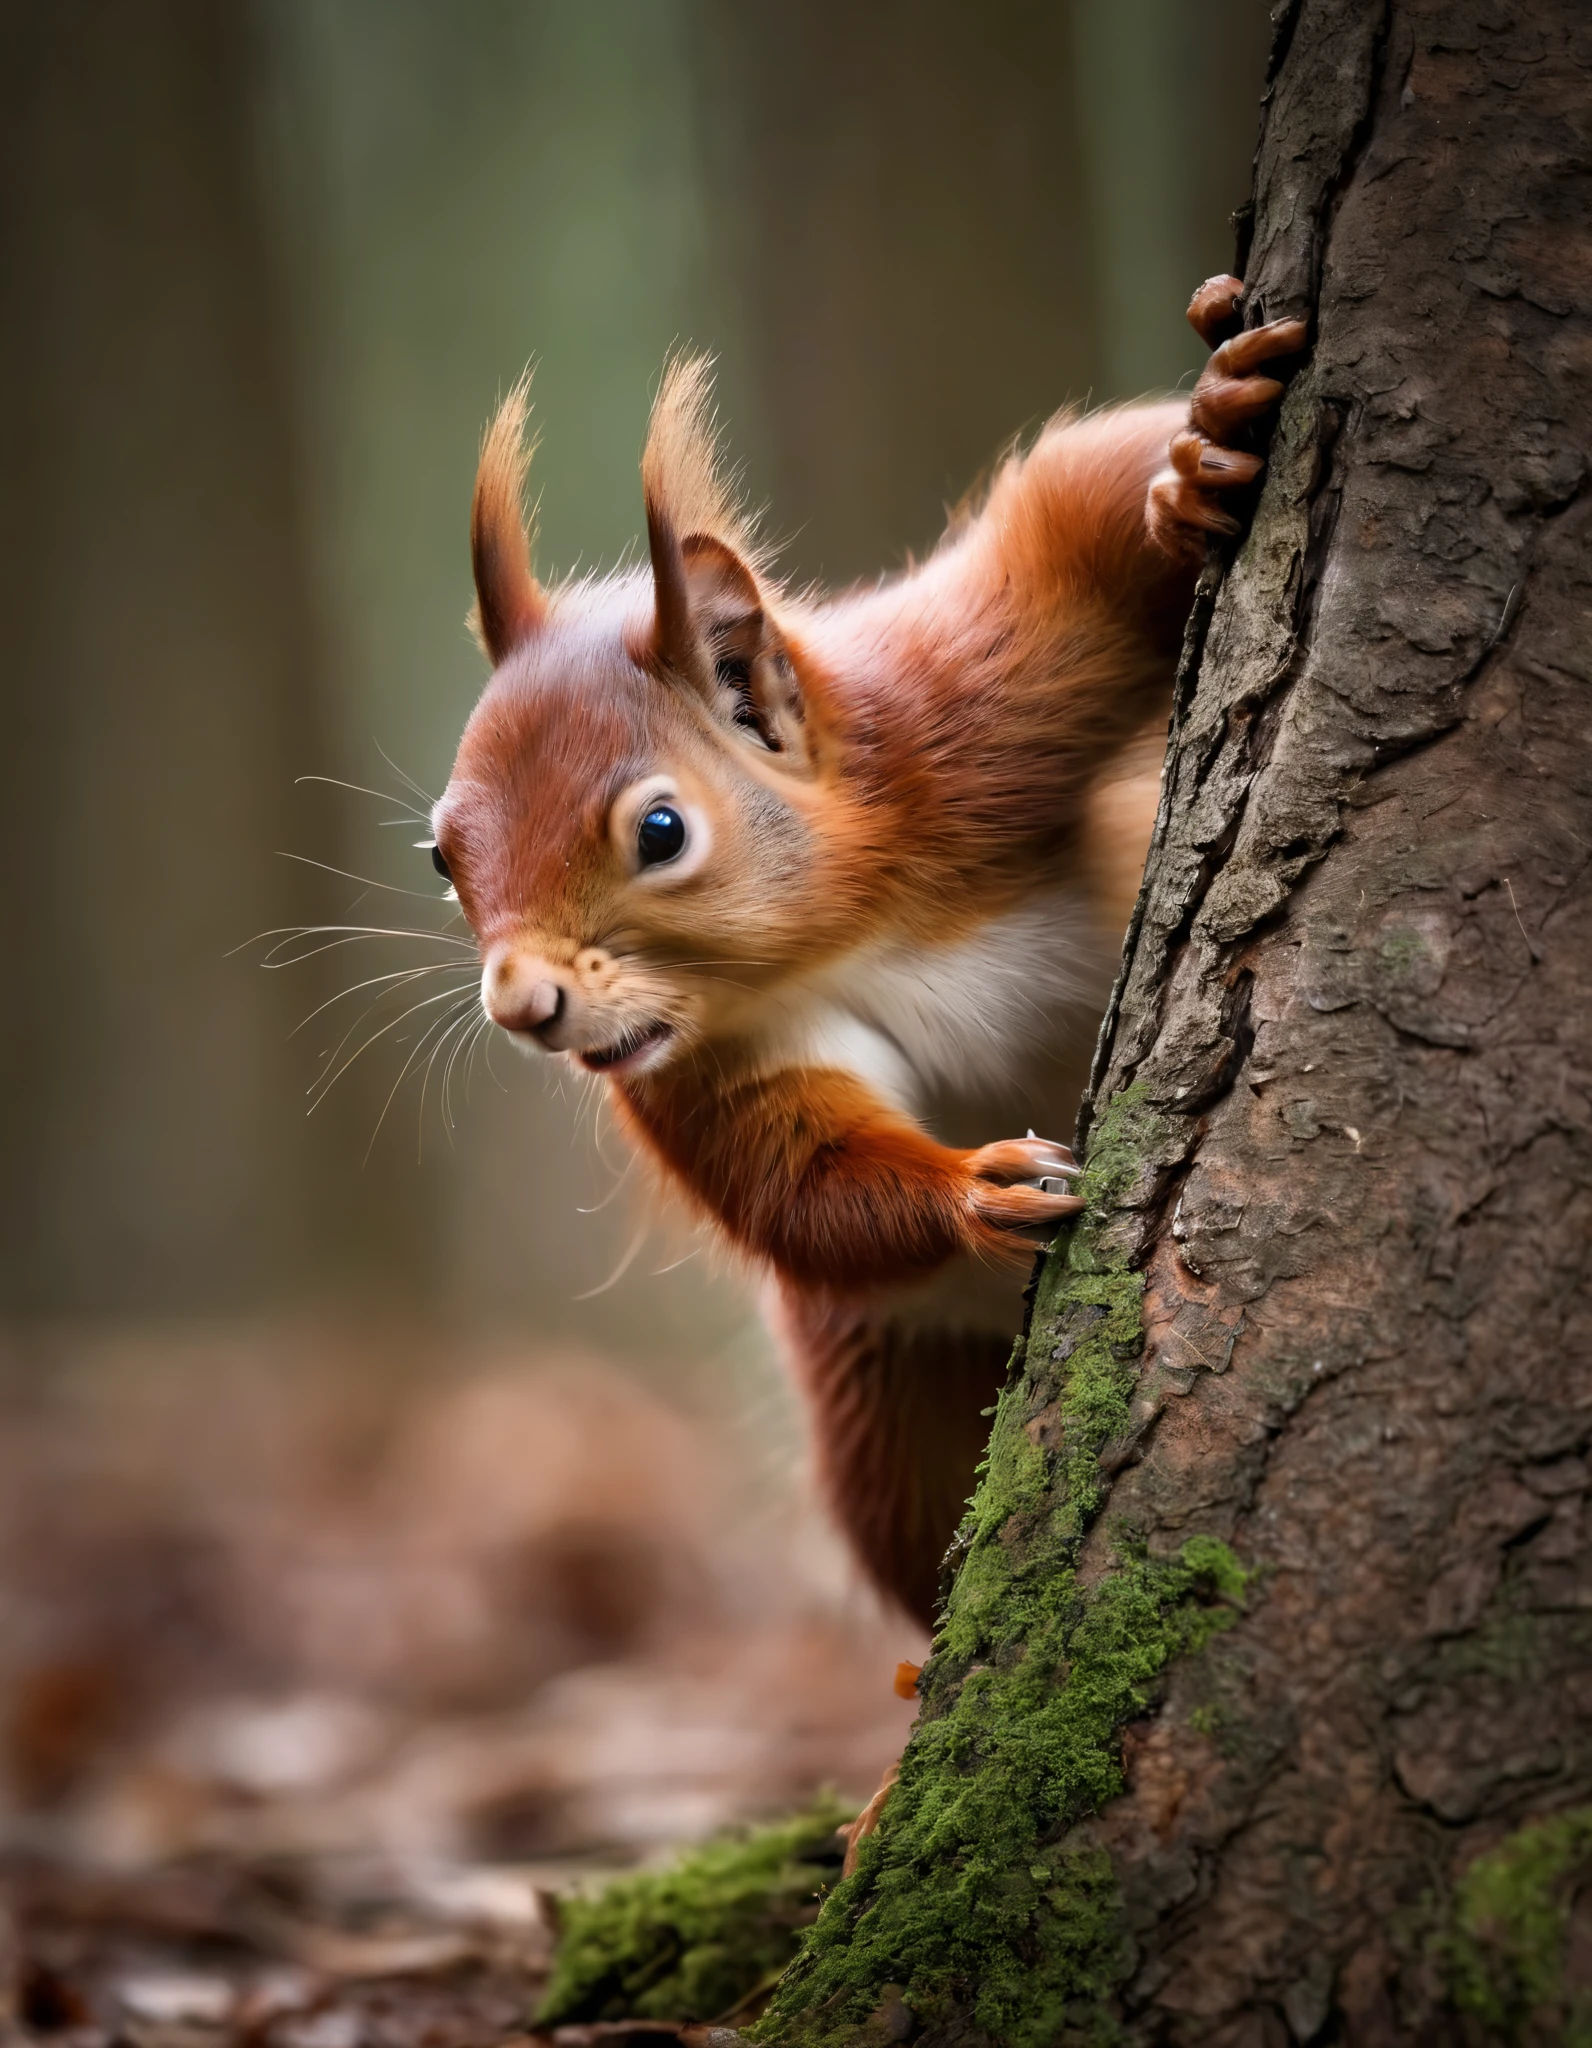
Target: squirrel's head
<point>629,822</point>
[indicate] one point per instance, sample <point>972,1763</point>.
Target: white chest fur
<point>970,1018</point>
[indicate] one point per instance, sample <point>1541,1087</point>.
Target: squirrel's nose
<point>542,1008</point>
<point>522,994</point>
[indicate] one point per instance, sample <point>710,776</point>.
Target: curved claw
<point>1213,310</point>
<point>1020,1184</point>
<point>1024,1208</point>
<point>1021,1159</point>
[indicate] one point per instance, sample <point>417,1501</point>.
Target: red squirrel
<point>829,889</point>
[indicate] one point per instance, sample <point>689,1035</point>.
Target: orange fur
<point>810,1173</point>
<point>891,804</point>
<point>682,477</point>
<point>510,603</point>
<point>894,1468</point>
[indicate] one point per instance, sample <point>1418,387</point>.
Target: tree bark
<point>1260,1708</point>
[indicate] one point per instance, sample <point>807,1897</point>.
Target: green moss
<point>972,1892</point>
<point>1041,1481</point>
<point>1510,1932</point>
<point>1123,1145</point>
<point>976,1895</point>
<point>696,1940</point>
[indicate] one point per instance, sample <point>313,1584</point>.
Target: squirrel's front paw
<point>1021,1184</point>
<point>1185,502</point>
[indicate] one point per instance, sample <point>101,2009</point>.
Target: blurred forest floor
<point>325,1666</point>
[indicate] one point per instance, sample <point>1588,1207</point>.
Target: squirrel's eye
<point>660,835</point>
<point>440,864</point>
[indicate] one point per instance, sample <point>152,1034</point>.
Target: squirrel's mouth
<point>634,1050</point>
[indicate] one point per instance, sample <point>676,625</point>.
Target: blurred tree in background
<point>264,270</point>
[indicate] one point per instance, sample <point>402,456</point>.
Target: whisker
<point>329,1059</point>
<point>404,974</point>
<point>715,962</point>
<point>622,1174</point>
<point>364,881</point>
<point>361,789</point>
<point>435,1024</point>
<point>425,1083</point>
<point>470,1045</point>
<point>490,1041</point>
<point>428,801</point>
<point>482,1035</point>
<point>591,1094</point>
<point>695,966</point>
<point>729,981</point>
<point>465,1039</point>
<point>459,1025</point>
<point>620,1270</point>
<point>674,1265</point>
<point>325,1087</point>
<point>602,1130</point>
<point>285,934</point>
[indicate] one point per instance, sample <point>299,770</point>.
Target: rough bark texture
<point>1262,1708</point>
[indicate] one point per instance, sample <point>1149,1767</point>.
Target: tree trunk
<point>157,690</point>
<point>1261,1710</point>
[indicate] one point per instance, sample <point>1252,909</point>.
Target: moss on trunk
<point>971,1895</point>
<point>974,1892</point>
<point>1508,1945</point>
<point>699,1940</point>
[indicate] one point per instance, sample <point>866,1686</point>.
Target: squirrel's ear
<point>509,602</point>
<point>712,630</point>
<point>711,625</point>
<point>691,510</point>
<point>703,594</point>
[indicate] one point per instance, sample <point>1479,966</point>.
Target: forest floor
<point>327,1669</point>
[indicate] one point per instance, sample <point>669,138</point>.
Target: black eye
<point>660,835</point>
<point>440,864</point>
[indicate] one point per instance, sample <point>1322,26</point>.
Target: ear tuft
<point>682,479</point>
<point>509,602</point>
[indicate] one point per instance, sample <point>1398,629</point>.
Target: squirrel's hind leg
<point>899,1418</point>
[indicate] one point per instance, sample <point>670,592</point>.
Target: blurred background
<point>332,1415</point>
